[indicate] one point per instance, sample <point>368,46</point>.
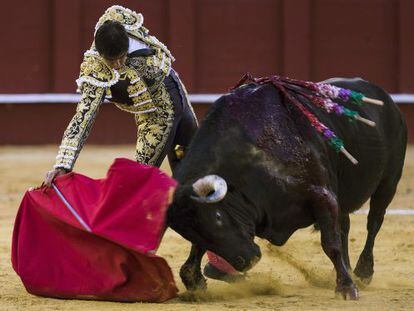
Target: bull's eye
<point>218,218</point>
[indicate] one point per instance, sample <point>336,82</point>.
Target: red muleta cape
<point>55,255</point>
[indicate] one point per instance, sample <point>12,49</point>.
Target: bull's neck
<point>245,212</point>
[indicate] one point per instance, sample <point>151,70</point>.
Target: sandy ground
<point>297,276</point>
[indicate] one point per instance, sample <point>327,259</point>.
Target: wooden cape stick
<point>366,121</point>
<point>349,156</point>
<point>372,101</point>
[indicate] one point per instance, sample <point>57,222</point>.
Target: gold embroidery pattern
<point>148,68</point>
<point>95,71</point>
<point>154,128</point>
<point>161,61</point>
<point>78,129</point>
<point>130,19</point>
<point>140,64</point>
<point>138,92</point>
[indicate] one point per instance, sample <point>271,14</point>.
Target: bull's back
<point>380,150</point>
<point>258,116</point>
<point>279,129</point>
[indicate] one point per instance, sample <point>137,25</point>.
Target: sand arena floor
<point>297,276</point>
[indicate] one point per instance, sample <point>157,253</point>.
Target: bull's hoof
<point>193,280</point>
<point>213,273</point>
<point>348,291</point>
<point>365,281</point>
<point>364,270</point>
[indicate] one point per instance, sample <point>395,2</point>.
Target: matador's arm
<point>79,127</point>
<point>94,82</point>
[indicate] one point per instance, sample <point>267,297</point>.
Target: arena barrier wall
<point>41,118</point>
<point>215,42</point>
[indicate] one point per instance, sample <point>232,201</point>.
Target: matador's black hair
<point>111,39</point>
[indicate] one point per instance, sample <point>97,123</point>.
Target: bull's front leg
<point>190,272</point>
<point>325,208</point>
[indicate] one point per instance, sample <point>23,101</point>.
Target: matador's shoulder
<point>131,20</point>
<point>95,71</point>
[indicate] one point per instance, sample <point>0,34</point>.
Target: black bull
<point>281,176</point>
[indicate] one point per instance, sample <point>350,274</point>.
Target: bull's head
<point>218,218</point>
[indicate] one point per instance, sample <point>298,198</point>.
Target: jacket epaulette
<point>95,71</point>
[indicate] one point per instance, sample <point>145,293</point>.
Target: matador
<point>132,69</point>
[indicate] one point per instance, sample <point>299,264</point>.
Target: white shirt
<point>135,44</point>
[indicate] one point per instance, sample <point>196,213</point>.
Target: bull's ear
<point>230,187</point>
<point>183,193</point>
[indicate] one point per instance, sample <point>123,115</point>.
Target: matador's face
<point>117,62</point>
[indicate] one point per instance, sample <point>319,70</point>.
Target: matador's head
<point>111,42</point>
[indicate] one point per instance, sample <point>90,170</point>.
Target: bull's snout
<point>244,264</point>
<point>240,261</point>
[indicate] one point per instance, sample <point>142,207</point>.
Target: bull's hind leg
<point>379,202</point>
<point>345,224</point>
<point>325,209</point>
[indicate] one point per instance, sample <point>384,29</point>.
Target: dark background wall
<point>215,43</point>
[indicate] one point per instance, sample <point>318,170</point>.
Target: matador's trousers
<point>173,123</point>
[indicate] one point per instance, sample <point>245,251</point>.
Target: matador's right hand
<point>51,175</point>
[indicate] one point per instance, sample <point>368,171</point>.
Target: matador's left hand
<point>51,175</point>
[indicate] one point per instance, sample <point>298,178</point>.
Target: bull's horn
<point>209,189</point>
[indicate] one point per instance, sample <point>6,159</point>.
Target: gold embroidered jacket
<point>96,79</point>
